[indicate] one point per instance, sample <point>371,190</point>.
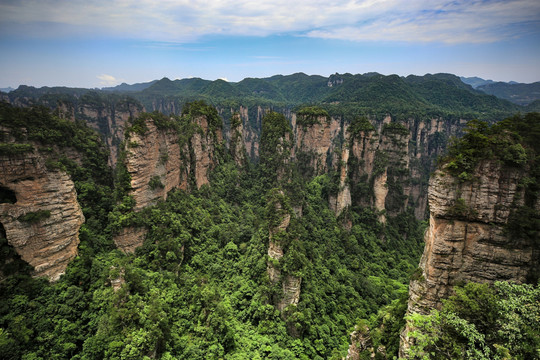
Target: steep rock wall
<point>153,161</point>
<point>158,161</point>
<point>466,239</point>
<point>43,217</point>
<point>316,144</point>
<point>111,121</point>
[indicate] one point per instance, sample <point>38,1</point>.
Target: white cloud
<point>459,21</point>
<point>108,80</point>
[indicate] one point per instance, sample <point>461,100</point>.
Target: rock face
<point>315,145</point>
<point>40,213</point>
<point>130,238</point>
<point>108,115</point>
<point>153,162</point>
<point>109,120</point>
<point>360,342</point>
<point>466,240</point>
<point>384,163</point>
<point>343,198</point>
<point>158,162</point>
<point>236,145</point>
<point>203,147</point>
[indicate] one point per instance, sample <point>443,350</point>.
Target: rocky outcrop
<point>158,163</point>
<point>236,145</point>
<point>39,213</point>
<point>108,115</point>
<point>315,145</point>
<point>361,343</point>
<point>290,284</point>
<point>342,200</point>
<point>130,238</point>
<point>153,161</point>
<point>203,147</point>
<point>291,291</point>
<point>160,159</point>
<point>111,121</point>
<point>466,239</point>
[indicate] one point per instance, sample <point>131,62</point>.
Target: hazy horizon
<point>95,44</point>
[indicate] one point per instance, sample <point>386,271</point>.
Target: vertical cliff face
<point>236,145</point>
<point>161,154</point>
<point>107,114</point>
<point>276,145</point>
<point>153,161</point>
<point>39,213</point>
<point>158,161</point>
<point>110,121</point>
<point>379,165</point>
<point>468,237</point>
<point>316,144</point>
<point>203,148</point>
<point>342,199</point>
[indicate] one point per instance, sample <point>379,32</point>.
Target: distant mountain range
<point>518,93</point>
<point>370,93</point>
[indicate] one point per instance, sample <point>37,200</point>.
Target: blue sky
<point>96,43</point>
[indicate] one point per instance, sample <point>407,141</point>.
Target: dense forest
<point>200,286</point>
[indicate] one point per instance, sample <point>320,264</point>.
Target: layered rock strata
<point>315,145</point>
<point>466,239</point>
<point>158,162</point>
<point>42,217</point>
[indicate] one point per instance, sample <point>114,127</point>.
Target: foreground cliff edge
<point>484,215</point>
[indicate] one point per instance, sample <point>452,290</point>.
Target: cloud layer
<point>475,21</point>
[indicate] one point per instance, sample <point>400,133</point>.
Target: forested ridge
<point>199,286</point>
<point>369,94</point>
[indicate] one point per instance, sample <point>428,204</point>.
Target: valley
<point>289,217</point>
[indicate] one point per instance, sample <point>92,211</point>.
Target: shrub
<point>34,216</point>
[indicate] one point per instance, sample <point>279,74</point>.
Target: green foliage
<point>275,147</point>
<point>138,126</point>
<point>395,128</point>
<point>200,108</point>
<point>481,322</point>
<point>506,141</point>
<point>35,216</point>
<point>198,287</point>
<point>309,116</point>
<point>360,124</point>
<point>461,210</point>
<point>15,148</point>
<point>155,183</point>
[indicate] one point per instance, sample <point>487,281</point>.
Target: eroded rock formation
<point>467,240</point>
<point>160,159</point>
<point>290,284</point>
<point>157,162</point>
<point>315,144</point>
<point>40,213</point>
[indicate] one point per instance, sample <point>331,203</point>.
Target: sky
<point>99,43</point>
